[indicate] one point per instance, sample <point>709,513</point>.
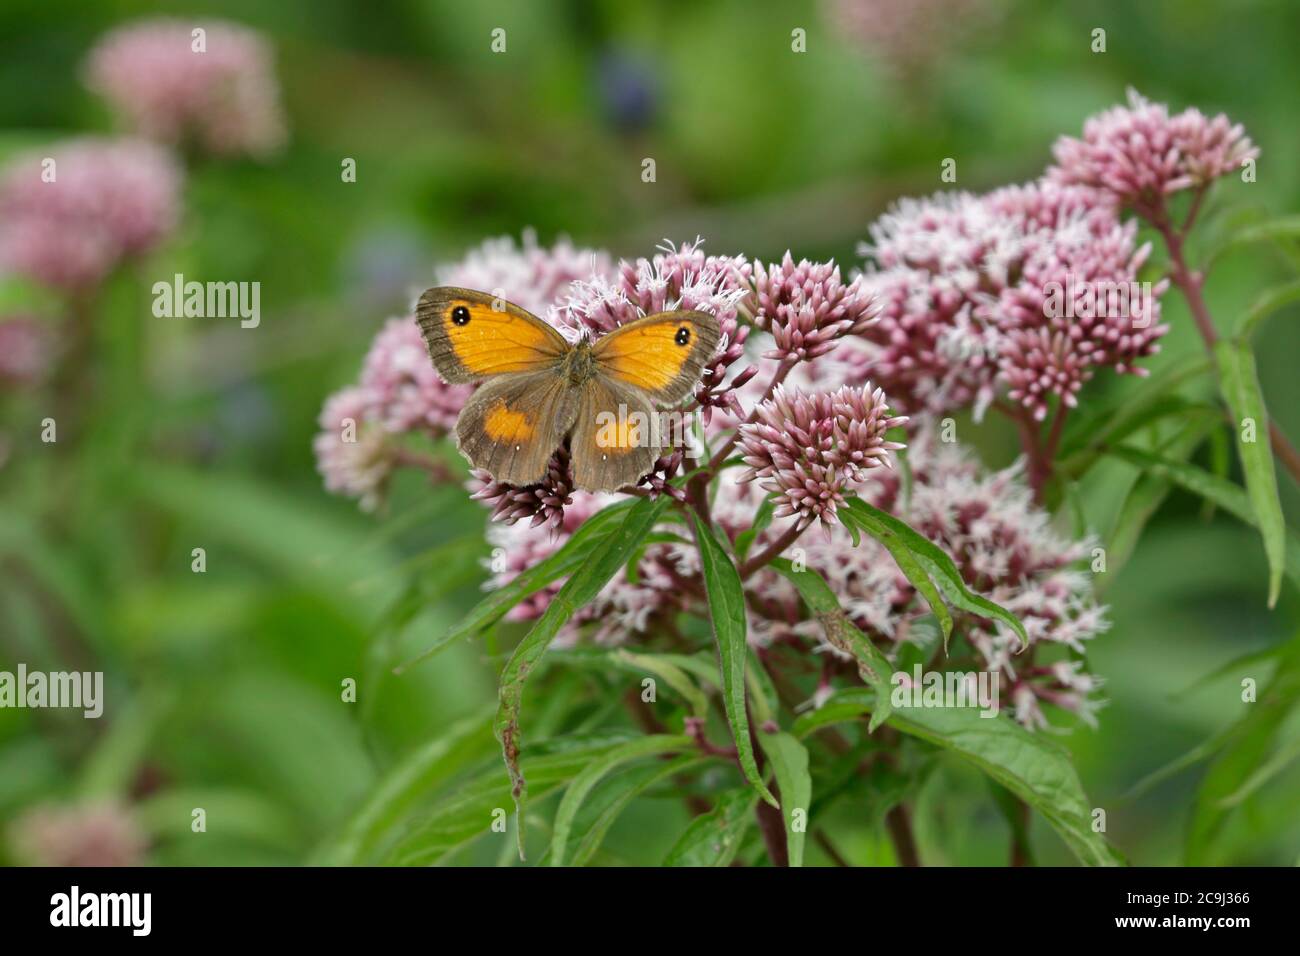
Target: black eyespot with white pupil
<point>683,336</point>
<point>460,315</point>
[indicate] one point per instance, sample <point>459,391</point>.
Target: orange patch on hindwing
<point>503,424</point>
<point>620,434</point>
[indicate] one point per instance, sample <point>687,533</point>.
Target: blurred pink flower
<point>224,99</point>
<point>812,449</point>
<point>1139,153</point>
<point>531,276</point>
<point>907,34</point>
<point>404,391</point>
<point>87,834</point>
<point>105,200</point>
<point>27,349</point>
<point>674,278</point>
<point>352,451</point>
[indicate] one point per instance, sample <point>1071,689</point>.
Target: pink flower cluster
<point>1139,153</point>
<point>517,546</point>
<point>222,98</point>
<point>1006,549</point>
<point>352,453</point>
<point>1032,287</point>
<point>809,450</point>
<point>404,392</point>
<point>69,215</point>
<point>806,307</point>
<point>675,278</point>
<point>1017,295</point>
<point>543,503</point>
<point>532,276</point>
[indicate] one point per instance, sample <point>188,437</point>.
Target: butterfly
<point>539,389</point>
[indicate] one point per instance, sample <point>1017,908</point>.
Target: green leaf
<point>594,772</point>
<point>586,581</point>
<point>1247,751</point>
<point>114,764</point>
<point>573,554</point>
<point>418,774</point>
<point>912,569</point>
<point>1241,390</point>
<point>842,633</point>
<point>1268,303</point>
<point>702,666</point>
<point>935,563</point>
<point>1201,752</point>
<point>1285,756</point>
<point>789,759</point>
<point>843,706</point>
<point>761,520</point>
<point>763,700</point>
<point>244,815</point>
<point>671,674</point>
<point>457,565</point>
<point>1123,410</point>
<point>1235,666</point>
<point>612,797</point>
<point>917,644</point>
<point>468,810</point>
<point>713,838</point>
<point>1219,452</point>
<point>1272,230</point>
<point>1146,496</point>
<point>1035,769</point>
<point>1222,492</point>
<point>727,612</point>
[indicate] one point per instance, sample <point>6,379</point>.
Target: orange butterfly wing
<point>664,355</point>
<point>472,336</point>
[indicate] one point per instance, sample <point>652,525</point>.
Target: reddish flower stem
<point>899,824</point>
<point>1192,284</point>
<point>773,550</point>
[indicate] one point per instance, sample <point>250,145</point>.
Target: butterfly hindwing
<point>615,439</point>
<point>512,425</point>
<point>663,355</point>
<point>472,335</point>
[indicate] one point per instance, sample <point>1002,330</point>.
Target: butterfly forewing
<point>472,336</point>
<point>663,355</point>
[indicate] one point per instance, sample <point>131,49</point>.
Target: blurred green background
<point>224,688</point>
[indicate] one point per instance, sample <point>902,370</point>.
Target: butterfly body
<point>580,366</point>
<point>537,389</point>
